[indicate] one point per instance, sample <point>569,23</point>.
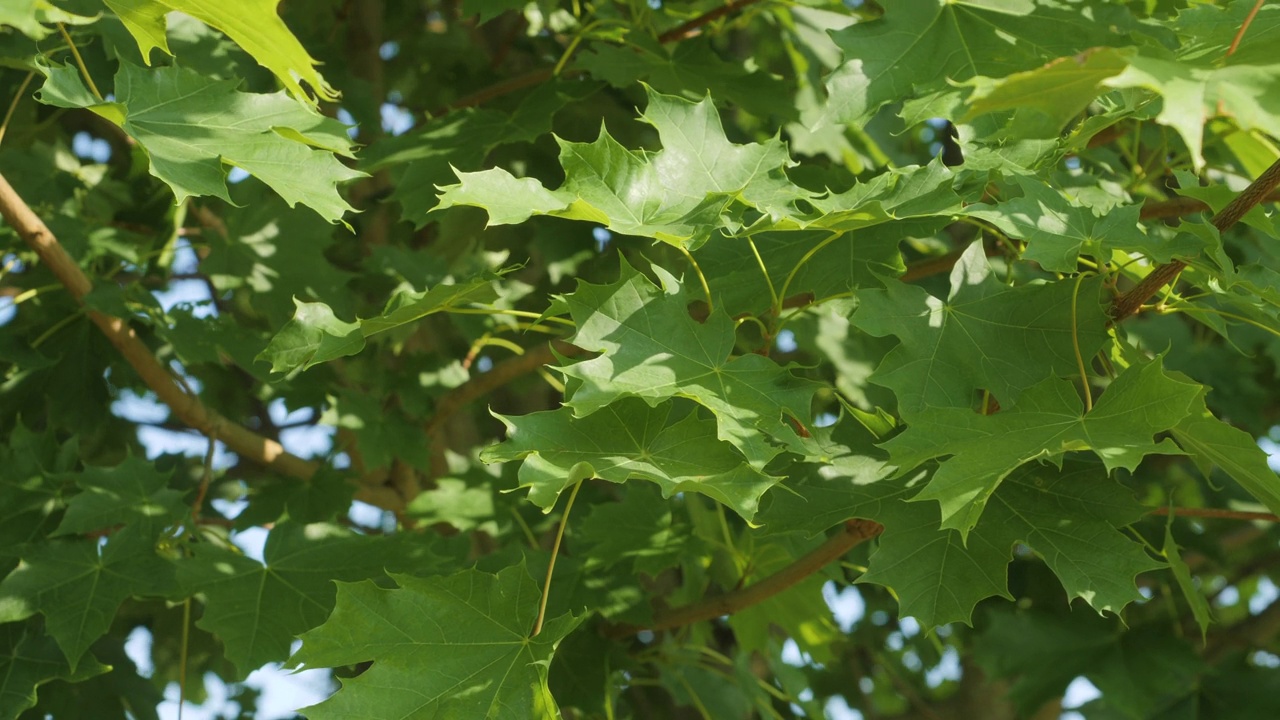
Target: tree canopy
<point>641,359</point>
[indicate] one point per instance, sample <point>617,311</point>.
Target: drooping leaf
<point>627,439</point>
<point>1186,583</point>
<point>194,129</point>
<point>455,646</point>
<point>255,25</point>
<point>316,336</point>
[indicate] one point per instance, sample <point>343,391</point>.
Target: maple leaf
<point>1048,422</point>
<point>255,25</point>
<point>652,348</point>
<point>984,336</point>
<point>627,439</point>
<point>444,647</point>
<point>193,128</point>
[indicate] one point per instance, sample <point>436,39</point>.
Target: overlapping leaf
<point>32,17</point>
<point>28,660</point>
<point>193,128</point>
<point>651,348</point>
<point>1057,230</point>
<point>257,609</point>
<point>921,45</point>
<point>676,195</point>
<point>255,25</point>
<point>628,439</point>
<point>1214,443</point>
<point>984,336</point>
<point>131,493</point>
<point>1048,421</point>
<point>78,586</point>
<point>445,647</point>
<point>315,335</point>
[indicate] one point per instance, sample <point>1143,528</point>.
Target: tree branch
<point>1216,513</point>
<point>853,533</point>
<point>1128,303</point>
<point>185,406</point>
<point>694,26</point>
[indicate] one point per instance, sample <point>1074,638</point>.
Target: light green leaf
<point>1047,422</point>
<point>443,647</point>
<point>257,609</point>
<point>628,439</point>
<point>194,128</point>
<point>31,16</point>
<point>984,336</point>
<point>315,335</point>
<point>651,348</point>
<point>255,25</point>
<point>676,195</point>
<point>1045,99</point>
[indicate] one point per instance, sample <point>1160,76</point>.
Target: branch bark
<point>852,533</point>
<point>1128,303</point>
<point>185,406</point>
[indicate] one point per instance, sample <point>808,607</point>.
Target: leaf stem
<point>512,313</point>
<point>806,258</point>
<point>773,294</point>
<point>551,566</point>
<point>1075,345</point>
<point>706,289</point>
<point>1218,513</point>
<point>182,656</point>
<point>13,106</point>
<point>75,52</point>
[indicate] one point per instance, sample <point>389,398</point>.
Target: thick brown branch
<point>853,533</point>
<point>185,406</point>
<point>1128,303</point>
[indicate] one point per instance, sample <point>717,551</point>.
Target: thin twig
<point>1128,303</point>
<point>1217,513</point>
<point>1235,42</point>
<point>852,533</point>
<point>75,52</point>
<point>13,106</point>
<point>694,26</point>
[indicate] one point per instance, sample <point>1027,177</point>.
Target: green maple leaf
<point>677,195</point>
<point>1212,442</point>
<point>193,128</point>
<point>131,493</point>
<point>257,609</point>
<point>1070,518</point>
<point>28,660</point>
<point>628,439</point>
<point>31,16</point>
<point>1057,230</point>
<point>443,647</point>
<point>78,586</point>
<point>1045,99</point>
<point>315,335</point>
<point>639,527</point>
<point>1048,421</point>
<point>651,348</point>
<point>255,25</point>
<point>1207,31</point>
<point>921,45</point>
<point>28,500</point>
<point>984,336</point>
